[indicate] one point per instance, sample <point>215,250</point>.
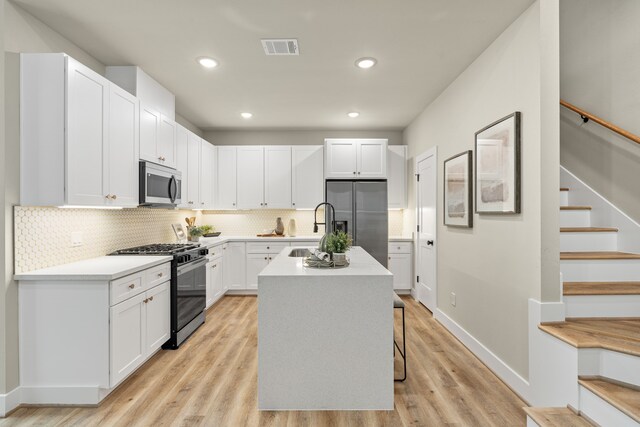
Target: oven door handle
<point>192,266</point>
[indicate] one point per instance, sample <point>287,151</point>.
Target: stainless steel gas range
<point>188,286</point>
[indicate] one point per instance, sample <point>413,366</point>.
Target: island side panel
<point>325,343</point>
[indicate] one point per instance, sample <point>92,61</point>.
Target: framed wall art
<point>497,168</point>
<point>458,193</point>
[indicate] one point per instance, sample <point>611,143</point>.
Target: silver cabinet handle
<point>131,286</point>
<point>114,197</point>
<point>354,173</point>
<point>265,258</point>
<point>358,172</point>
<point>146,300</point>
<point>150,298</point>
<point>160,274</point>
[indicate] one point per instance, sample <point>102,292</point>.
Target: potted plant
<point>195,233</point>
<point>337,244</point>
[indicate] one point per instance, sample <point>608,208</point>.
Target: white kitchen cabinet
<point>400,263</point>
<point>207,174</point>
<point>158,317</point>
<point>226,182</point>
<point>307,181</point>
<point>397,176</point>
<point>128,337</point>
<point>193,170</point>
<point>157,137</point>
<point>215,274</point>
<point>277,177</point>
<point>355,158</point>
<point>79,136</point>
<point>250,186</point>
<point>182,164</point>
<point>255,264</point>
<point>234,270</point>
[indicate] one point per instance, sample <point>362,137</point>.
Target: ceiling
<point>421,47</point>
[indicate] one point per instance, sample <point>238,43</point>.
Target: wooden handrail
<point>588,116</point>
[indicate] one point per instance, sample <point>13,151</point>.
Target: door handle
<point>429,242</point>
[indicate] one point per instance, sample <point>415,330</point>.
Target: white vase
<point>292,228</point>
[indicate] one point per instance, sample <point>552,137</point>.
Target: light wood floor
<point>212,380</point>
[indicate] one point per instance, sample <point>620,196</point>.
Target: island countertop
<point>361,264</point>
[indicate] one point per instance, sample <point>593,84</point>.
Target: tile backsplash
<point>43,235</point>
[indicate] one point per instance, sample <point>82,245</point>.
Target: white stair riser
<point>564,198</point>
<point>602,305</point>
<point>576,242</point>
<point>609,364</point>
<point>601,412</point>
<point>600,270</point>
<point>578,218</point>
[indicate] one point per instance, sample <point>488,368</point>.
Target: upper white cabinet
<point>397,176</point>
<point>226,183</point>
<point>307,180</point>
<point>79,136</point>
<point>356,158</point>
<point>157,137</point>
<point>196,160</point>
<point>194,145</point>
<point>250,184</point>
<point>277,177</point>
<point>182,164</point>
<point>207,174</point>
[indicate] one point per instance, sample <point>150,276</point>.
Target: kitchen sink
<point>300,253</point>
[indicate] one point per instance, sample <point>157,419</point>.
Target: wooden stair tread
<point>625,398</point>
<point>575,208</point>
<point>564,189</point>
<point>588,230</point>
<point>556,417</point>
<point>597,255</point>
<point>601,288</point>
<point>619,334</point>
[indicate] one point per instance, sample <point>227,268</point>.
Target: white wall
<point>3,223</point>
<point>600,73</point>
<point>294,137</point>
<point>495,267</point>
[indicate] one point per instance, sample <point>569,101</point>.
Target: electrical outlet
<point>76,238</point>
<point>453,299</point>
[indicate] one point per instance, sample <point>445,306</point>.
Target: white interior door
<point>426,254</point>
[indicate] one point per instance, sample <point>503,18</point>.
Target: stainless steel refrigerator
<point>362,211</point>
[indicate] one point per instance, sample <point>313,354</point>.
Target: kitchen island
<point>325,336</point>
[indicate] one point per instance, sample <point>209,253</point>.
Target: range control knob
<point>204,252</point>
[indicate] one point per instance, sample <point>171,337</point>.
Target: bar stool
<point>399,304</point>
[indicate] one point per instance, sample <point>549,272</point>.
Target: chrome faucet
<point>329,228</point>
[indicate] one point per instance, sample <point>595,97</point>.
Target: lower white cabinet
<point>139,327</point>
<point>215,274</point>
<point>401,265</point>
<point>234,272</point>
<point>255,264</point>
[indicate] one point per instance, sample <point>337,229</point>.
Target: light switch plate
<point>76,238</point>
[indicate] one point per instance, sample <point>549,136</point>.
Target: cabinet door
<point>217,273</point>
<point>250,177</point>
<point>255,264</point>
<point>122,149</point>
<point>167,142</point>
<point>400,266</point>
<point>87,103</point>
<point>158,307</point>
<point>226,178</point>
<point>193,171</point>
<point>206,174</point>
<point>209,280</point>
<point>127,337</point>
<point>372,158</point>
<point>307,183</point>
<point>397,176</point>
<point>340,158</point>
<point>235,266</point>
<point>149,125</point>
<point>182,163</point>
<point>277,177</point>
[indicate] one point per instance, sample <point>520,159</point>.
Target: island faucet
<point>329,228</point>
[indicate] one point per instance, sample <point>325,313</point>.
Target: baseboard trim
<point>511,378</point>
<point>9,402</point>
<point>62,395</point>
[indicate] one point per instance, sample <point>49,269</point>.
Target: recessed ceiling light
<point>366,63</point>
<point>353,114</point>
<point>246,115</point>
<point>207,62</point>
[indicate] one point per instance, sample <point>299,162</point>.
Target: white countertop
<point>362,264</point>
<point>99,269</point>
<point>212,241</point>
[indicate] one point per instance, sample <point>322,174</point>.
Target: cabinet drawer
<point>266,247</point>
<point>400,247</point>
<point>126,287</point>
<point>156,275</point>
<point>215,252</point>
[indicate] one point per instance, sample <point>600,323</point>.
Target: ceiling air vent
<point>280,46</point>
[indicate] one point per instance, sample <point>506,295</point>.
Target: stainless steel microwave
<point>160,186</point>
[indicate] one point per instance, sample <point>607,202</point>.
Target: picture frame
<point>178,229</point>
<point>497,166</point>
<point>458,190</point>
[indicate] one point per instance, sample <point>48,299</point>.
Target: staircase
<point>601,293</point>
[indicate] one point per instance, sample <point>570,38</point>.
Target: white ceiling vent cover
<point>280,46</point>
